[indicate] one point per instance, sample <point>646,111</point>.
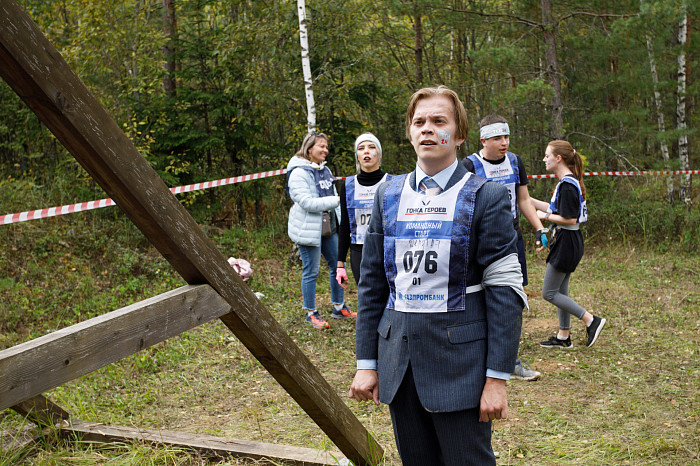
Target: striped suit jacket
<point>448,352</point>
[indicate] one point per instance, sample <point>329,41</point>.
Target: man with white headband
<point>496,163</point>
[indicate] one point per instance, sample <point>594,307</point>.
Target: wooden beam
<point>206,444</point>
<point>36,366</point>
<point>41,411</point>
<point>42,78</point>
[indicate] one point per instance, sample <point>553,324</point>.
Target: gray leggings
<point>555,289</point>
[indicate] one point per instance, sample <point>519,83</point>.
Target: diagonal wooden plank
<point>45,82</point>
<point>36,366</point>
<point>206,444</point>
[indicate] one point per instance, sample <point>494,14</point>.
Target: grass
<point>631,399</point>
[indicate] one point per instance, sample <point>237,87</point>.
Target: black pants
<point>424,438</point>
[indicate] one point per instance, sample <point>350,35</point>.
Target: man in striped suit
<point>440,296</point>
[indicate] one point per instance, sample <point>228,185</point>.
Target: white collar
<point>441,178</point>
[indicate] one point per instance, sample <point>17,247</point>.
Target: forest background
<point>209,89</point>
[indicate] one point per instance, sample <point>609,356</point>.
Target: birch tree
<point>681,124</point>
<point>659,113</point>
<point>306,66</point>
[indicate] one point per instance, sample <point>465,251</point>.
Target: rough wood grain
<point>46,362</point>
<point>207,445</point>
<point>45,82</point>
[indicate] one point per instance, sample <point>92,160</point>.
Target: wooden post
<point>38,365</point>
<point>45,82</point>
<point>41,411</point>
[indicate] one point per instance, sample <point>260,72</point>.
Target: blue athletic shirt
<point>566,248</point>
<point>582,214</point>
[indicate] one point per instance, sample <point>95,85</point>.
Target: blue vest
<point>506,173</point>
<point>360,200</point>
<point>324,180</point>
<point>554,202</point>
<point>426,245</point>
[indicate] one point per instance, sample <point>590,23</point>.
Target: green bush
<point>632,210</point>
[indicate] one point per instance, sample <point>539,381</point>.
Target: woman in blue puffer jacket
<point>310,185</point>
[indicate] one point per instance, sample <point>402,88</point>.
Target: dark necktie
<point>430,187</point>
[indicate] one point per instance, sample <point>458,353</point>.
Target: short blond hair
<point>460,113</point>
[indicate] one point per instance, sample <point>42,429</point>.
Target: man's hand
<point>494,402</point>
<point>365,386</point>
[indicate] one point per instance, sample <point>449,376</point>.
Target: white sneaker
<point>523,372</point>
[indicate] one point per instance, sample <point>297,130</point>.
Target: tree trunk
<point>418,46</point>
<point>203,80</point>
<point>659,115</point>
<point>552,68</point>
<point>134,71</point>
<point>170,30</point>
<point>681,122</point>
<point>306,66</point>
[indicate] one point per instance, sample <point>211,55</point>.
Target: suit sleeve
<point>373,289</point>
<point>496,239</point>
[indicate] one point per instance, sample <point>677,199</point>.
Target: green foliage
<point>631,211</point>
<point>628,211</point>
<point>239,104</point>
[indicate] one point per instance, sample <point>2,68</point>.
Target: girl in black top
<point>356,201</point>
<point>567,210</point>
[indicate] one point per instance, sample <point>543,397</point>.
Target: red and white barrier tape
<point>651,172</point>
<point>225,181</point>
<point>69,209</point>
<point>84,206</point>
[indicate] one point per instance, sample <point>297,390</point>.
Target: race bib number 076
<point>422,274</point>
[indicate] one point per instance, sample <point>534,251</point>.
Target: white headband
<point>368,137</point>
<point>496,129</point>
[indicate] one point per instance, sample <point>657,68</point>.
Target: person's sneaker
<point>555,342</point>
<point>317,321</point>
<point>343,313</point>
<point>594,330</point>
<point>523,372</point>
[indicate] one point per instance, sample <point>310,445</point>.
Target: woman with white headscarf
<point>356,201</point>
